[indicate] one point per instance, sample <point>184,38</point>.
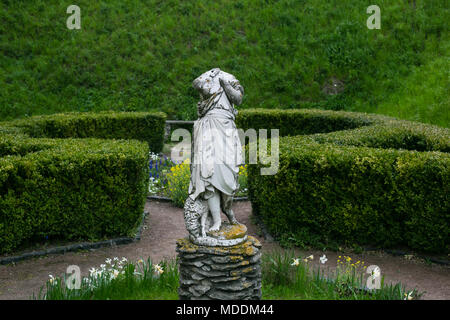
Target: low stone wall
<point>220,273</point>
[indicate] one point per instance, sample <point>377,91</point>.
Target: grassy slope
<point>137,55</point>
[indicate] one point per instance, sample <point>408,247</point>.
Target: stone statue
<point>215,159</point>
<point>218,261</point>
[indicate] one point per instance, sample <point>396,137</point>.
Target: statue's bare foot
<point>231,217</point>
<point>215,227</point>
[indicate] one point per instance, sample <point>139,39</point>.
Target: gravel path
<point>165,224</point>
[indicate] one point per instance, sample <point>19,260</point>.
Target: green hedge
<point>378,181</point>
<point>144,126</point>
<point>66,188</point>
<point>301,121</point>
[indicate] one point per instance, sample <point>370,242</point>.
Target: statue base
<point>228,235</point>
<point>220,273</point>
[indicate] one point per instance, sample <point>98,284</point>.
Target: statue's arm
<point>233,89</point>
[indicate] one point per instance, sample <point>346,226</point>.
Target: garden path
<point>165,224</point>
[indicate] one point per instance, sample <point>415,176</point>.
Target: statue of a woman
<point>216,153</point>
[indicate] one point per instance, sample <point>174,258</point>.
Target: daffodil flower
<point>158,269</point>
<point>323,259</point>
<point>295,262</point>
<point>376,273</point>
<point>409,296</point>
<point>115,273</point>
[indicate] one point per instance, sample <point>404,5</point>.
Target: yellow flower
<point>295,262</point>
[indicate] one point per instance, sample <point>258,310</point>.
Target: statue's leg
<point>214,207</point>
<point>226,203</point>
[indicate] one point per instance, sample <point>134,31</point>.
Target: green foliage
<point>301,121</point>
<point>280,280</point>
<point>71,188</point>
<point>132,55</point>
<point>385,183</point>
<point>143,126</point>
<point>178,183</point>
<point>130,281</point>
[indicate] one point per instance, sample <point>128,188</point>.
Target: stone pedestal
<point>220,273</point>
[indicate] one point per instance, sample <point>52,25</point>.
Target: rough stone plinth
<point>220,273</point>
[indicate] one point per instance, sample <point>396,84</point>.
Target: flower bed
<point>283,277</point>
<point>170,179</point>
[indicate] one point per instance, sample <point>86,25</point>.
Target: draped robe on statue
<point>216,151</point>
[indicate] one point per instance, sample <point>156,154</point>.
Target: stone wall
<point>220,273</point>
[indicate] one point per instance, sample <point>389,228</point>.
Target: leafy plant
<point>178,183</point>
<point>284,276</point>
<point>353,178</point>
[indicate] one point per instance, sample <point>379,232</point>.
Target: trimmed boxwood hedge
<point>74,189</point>
<point>377,181</point>
<point>144,126</point>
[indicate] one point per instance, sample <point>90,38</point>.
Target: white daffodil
<point>92,271</point>
<point>323,259</point>
<point>310,257</point>
<point>116,259</point>
<point>158,269</point>
<point>124,260</point>
<point>376,273</point>
<point>115,273</point>
<point>52,279</point>
<point>295,262</point>
<point>108,261</point>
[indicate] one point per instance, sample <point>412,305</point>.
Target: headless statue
<point>216,153</point>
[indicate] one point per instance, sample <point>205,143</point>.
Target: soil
<point>165,224</point>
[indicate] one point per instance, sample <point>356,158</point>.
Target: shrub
<point>144,126</point>
<point>301,121</point>
<point>384,183</point>
<point>178,183</point>
<point>74,189</point>
<point>71,189</point>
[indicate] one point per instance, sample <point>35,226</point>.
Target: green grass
<point>137,55</point>
<point>280,280</point>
